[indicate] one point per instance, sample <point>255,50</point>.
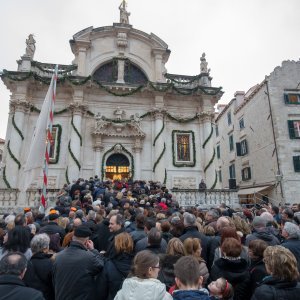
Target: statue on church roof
<point>119,113</point>
<point>124,14</point>
<point>203,64</point>
<point>30,46</point>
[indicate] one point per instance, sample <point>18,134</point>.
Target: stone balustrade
<point>207,198</point>
<point>9,199</point>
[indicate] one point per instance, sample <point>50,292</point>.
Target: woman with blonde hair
<point>174,251</point>
<point>282,283</point>
<point>142,282</point>
<point>116,269</point>
<point>192,246</point>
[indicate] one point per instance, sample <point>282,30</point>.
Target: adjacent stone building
<point>118,113</point>
<point>258,139</point>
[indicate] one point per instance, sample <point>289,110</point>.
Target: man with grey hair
<point>154,241</point>
<point>39,271</point>
<point>261,232</point>
<point>12,269</point>
<point>291,233</point>
<point>191,231</point>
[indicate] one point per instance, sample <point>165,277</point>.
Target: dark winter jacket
<point>274,289</point>
<point>138,234</point>
<point>192,232</point>
<point>52,228</point>
<point>235,271</point>
<point>103,235</point>
<point>190,295</point>
<point>143,244</point>
<point>266,236</point>
<point>111,251</point>
<point>74,271</point>
<point>115,270</point>
<point>39,274</point>
<point>166,274</point>
<point>294,246</point>
<point>13,288</point>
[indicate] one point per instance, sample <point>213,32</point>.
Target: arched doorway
<point>117,167</point>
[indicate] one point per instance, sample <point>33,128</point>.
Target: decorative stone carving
<point>206,116</point>
<point>19,105</point>
<point>119,113</point>
<point>117,148</point>
<point>184,182</point>
<point>124,14</point>
<point>122,39</point>
<point>203,64</point>
<point>78,108</point>
<point>158,113</point>
<point>137,146</point>
<point>30,46</point>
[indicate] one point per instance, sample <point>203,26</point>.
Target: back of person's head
<point>288,212</point>
<point>20,220</point>
<point>267,216</point>
<point>142,261</point>
<point>40,242</point>
<point>187,272</point>
<point>281,263</point>
<point>189,219</point>
<point>150,223</point>
<point>18,239</point>
<point>13,263</point>
<point>222,222</point>
<point>91,215</point>
<point>175,247</point>
<point>123,243</point>
<point>229,232</point>
<point>165,226</point>
<point>231,247</point>
<point>140,221</point>
<point>259,222</point>
<point>154,237</point>
<point>192,247</point>
<point>275,209</point>
<point>257,247</point>
<point>292,230</point>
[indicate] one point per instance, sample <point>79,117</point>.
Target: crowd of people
<point>132,240</point>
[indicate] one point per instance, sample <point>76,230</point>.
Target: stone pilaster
<point>137,148</point>
<point>83,46</point>
<point>98,147</point>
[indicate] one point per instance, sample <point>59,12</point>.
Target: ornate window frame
<point>192,161</point>
<point>54,158</point>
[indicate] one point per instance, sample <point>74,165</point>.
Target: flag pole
<point>49,139</point>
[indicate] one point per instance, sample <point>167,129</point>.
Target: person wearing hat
<point>52,227</point>
<point>75,268</point>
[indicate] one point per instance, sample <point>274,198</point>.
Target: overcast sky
<point>244,40</point>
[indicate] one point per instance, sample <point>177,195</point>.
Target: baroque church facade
<point>118,113</point>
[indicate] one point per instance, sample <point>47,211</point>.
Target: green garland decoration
<point>182,120</point>
<point>90,113</point>
<point>208,138</point>
<point>66,175</point>
<point>110,150</point>
<point>211,161</point>
<point>12,155</point>
<point>215,182</point>
<point>16,127</point>
<point>76,130</point>
<point>159,158</point>
<point>59,112</point>
<point>57,150</point>
<point>51,68</point>
<point>178,164</point>
<point>171,78</point>
<point>73,156</point>
<point>145,114</point>
<point>5,179</point>
<point>165,179</point>
<point>160,132</point>
<point>76,80</point>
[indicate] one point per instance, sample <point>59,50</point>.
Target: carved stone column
<point>208,152</point>
<point>18,108</point>
<point>159,145</point>
<point>76,140</point>
<point>158,56</point>
<point>121,68</point>
<point>137,148</point>
<point>98,147</point>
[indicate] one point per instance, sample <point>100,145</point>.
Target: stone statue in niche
<point>203,64</point>
<point>124,14</point>
<point>119,113</point>
<point>135,119</point>
<point>30,46</point>
<point>99,121</point>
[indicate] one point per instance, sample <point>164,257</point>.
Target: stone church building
<point>118,114</point>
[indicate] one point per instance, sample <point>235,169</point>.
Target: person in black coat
<point>283,283</point>
<point>39,269</point>
<point>232,267</point>
<point>102,235</point>
<point>75,268</point>
<point>12,270</point>
<point>191,231</point>
<point>116,269</point>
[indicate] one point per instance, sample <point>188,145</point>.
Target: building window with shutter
<point>231,146</point>
<point>296,161</point>
<point>218,152</point>
<point>242,148</point>
<point>229,118</point>
<point>246,174</point>
<point>292,98</point>
<point>232,171</point>
<point>242,124</point>
<point>294,129</point>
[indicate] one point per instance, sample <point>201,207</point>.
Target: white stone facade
<point>270,150</point>
<point>95,123</point>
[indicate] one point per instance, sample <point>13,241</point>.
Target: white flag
<point>35,161</point>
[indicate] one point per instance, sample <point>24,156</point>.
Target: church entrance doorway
<point>117,167</point>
